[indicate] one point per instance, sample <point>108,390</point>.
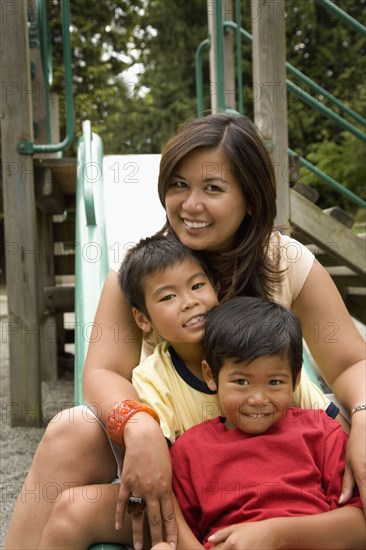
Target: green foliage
<point>332,54</point>
<point>168,37</point>
<point>343,161</point>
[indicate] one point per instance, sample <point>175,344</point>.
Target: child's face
<point>178,300</point>
<point>253,396</point>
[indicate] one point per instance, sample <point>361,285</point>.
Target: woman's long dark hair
<point>246,269</point>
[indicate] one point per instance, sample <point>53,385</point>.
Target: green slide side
<point>91,255</point>
<point>91,263</point>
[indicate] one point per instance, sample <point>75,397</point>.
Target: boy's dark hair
<point>245,328</point>
<point>148,257</point>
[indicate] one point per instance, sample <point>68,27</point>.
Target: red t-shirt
<point>222,477</point>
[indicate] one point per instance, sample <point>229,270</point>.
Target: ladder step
<point>306,191</point>
<point>344,276</point>
<point>341,215</point>
<point>60,298</point>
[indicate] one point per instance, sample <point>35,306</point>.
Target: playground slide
<point>116,204</point>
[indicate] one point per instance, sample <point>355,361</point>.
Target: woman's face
<point>205,203</point>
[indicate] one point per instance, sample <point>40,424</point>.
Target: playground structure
<point>40,186</point>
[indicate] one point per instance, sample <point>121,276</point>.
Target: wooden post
<point>270,98</point>
<point>213,68</point>
<point>21,247</point>
<point>46,276</point>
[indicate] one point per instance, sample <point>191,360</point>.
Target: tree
<point>165,93</point>
<point>101,34</point>
<point>333,55</point>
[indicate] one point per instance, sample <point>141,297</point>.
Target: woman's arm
<point>186,539</point>
<point>114,350</point>
<point>332,337</point>
<point>343,528</point>
<point>339,351</point>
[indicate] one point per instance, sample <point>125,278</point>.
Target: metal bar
<point>350,21</point>
<point>27,147</point>
<point>88,179</point>
<point>307,98</point>
<point>326,94</point>
<point>314,103</point>
<point>199,84</point>
<point>239,72</point>
<point>329,180</point>
<point>248,38</point>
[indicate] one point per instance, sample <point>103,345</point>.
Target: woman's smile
<point>195,224</point>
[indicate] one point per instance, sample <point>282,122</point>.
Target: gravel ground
<point>19,444</point>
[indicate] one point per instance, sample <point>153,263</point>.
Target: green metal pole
<point>325,93</point>
<point>329,180</point>
<point>26,147</point>
<point>307,98</point>
<point>199,84</point>
<point>305,79</point>
<point>350,21</point>
<point>239,71</point>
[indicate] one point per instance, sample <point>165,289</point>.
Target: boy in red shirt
<point>263,465</point>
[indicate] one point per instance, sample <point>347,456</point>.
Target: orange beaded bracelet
<point>121,414</point>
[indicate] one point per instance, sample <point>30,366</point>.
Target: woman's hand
<point>147,473</point>
<point>326,530</point>
<point>245,536</point>
<point>355,471</point>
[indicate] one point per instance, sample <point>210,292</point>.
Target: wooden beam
<point>228,14</point>
<point>65,264</point>
<point>60,298</point>
<point>270,97</point>
<point>345,277</point>
<point>64,231</point>
<point>356,303</point>
<point>330,235</point>
<point>46,276</point>
<point>49,196</point>
<point>21,247</point>
<point>63,171</point>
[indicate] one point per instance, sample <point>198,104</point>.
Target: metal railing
<point>342,15</point>
<point>27,147</point>
<point>295,89</point>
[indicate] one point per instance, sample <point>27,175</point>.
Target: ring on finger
<point>136,506</point>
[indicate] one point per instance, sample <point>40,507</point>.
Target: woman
<point>217,185</point>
